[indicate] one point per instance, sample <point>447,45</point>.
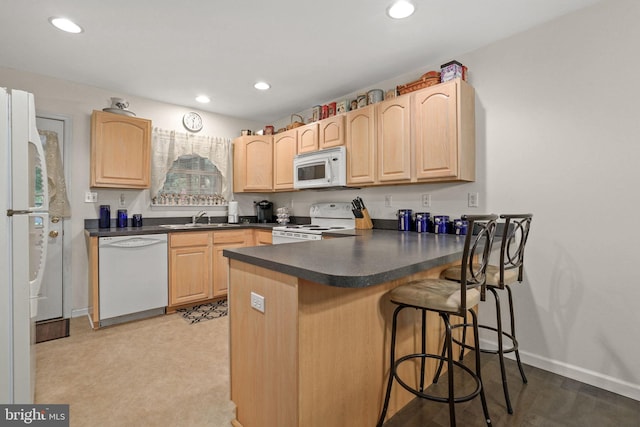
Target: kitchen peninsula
<point>315,350</point>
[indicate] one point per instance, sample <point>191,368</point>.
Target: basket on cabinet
<point>428,79</point>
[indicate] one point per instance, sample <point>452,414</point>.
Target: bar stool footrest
<point>514,342</point>
<point>432,397</point>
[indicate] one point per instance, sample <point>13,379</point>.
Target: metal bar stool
<point>446,297</point>
<point>508,272</point>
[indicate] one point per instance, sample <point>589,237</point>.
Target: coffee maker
<point>264,211</point>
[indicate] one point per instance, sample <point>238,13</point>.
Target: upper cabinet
<point>253,163</point>
<point>120,151</point>
<point>307,138</point>
<point>361,146</point>
<point>394,140</point>
<point>285,145</point>
<point>331,132</point>
<point>443,118</point>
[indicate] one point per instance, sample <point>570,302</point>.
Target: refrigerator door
<point>29,190</point>
<point>24,223</point>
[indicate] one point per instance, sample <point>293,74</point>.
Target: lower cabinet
<point>262,237</point>
<point>226,240</point>
<point>189,268</point>
<point>198,271</point>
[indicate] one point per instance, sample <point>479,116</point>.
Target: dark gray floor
<point>547,400</point>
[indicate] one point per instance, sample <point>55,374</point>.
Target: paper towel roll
<point>233,212</point>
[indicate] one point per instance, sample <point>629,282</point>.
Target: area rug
<point>204,312</point>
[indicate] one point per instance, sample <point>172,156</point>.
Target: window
<point>189,169</point>
<point>191,180</point>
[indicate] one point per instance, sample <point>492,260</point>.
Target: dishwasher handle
<point>134,242</point>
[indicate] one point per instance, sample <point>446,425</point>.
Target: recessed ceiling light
<point>262,85</point>
<point>203,99</point>
<point>66,25</point>
<point>401,9</point>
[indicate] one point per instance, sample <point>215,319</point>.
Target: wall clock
<point>192,121</point>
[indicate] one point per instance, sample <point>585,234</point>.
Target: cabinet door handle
<point>53,233</point>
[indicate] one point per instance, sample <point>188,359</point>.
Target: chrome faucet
<point>196,217</point>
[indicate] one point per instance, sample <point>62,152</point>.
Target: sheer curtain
<point>58,200</point>
<point>167,146</point>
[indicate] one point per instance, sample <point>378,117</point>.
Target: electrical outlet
<point>90,197</point>
<point>123,202</point>
<point>473,199</point>
<point>388,201</point>
<point>257,302</point>
<point>426,200</point>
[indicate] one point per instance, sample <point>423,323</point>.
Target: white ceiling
<point>309,51</point>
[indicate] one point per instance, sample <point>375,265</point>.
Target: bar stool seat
<point>433,294</point>
<point>493,275</point>
<point>446,298</point>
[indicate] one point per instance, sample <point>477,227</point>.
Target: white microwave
<point>320,169</point>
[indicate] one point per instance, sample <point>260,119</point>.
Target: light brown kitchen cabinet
<point>262,237</point>
<point>226,240</point>
<point>253,163</point>
<point>285,147</point>
<point>331,132</point>
<point>307,138</point>
<point>189,267</point>
<point>361,146</point>
<point>120,151</point>
<point>444,132</point>
<point>394,140</point>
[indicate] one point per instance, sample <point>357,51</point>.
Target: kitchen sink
<point>191,225</point>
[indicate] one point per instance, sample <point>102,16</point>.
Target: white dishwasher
<point>132,276</point>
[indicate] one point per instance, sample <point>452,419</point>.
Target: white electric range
<point>325,217</point>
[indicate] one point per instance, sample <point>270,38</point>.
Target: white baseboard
<point>79,312</point>
<point>596,379</point>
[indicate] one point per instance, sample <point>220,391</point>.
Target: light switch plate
<point>90,197</point>
<point>473,199</point>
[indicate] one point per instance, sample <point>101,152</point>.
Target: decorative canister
<point>105,216</point>
<point>324,112</point>
<point>245,132</point>
<point>422,222</point>
<point>122,218</point>
<point>374,96</point>
<point>268,130</point>
<point>404,219</point>
<point>316,112</point>
<point>460,226</point>
<point>362,100</point>
<point>332,109</point>
<point>136,221</point>
<point>342,107</point>
<point>353,105</point>
<point>440,224</point>
<point>452,70</point>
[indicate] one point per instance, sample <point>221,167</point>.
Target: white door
<point>50,298</point>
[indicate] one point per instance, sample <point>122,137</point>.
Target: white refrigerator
<point>23,241</point>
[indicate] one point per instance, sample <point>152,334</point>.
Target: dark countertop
<point>157,229</point>
<point>370,258</point>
